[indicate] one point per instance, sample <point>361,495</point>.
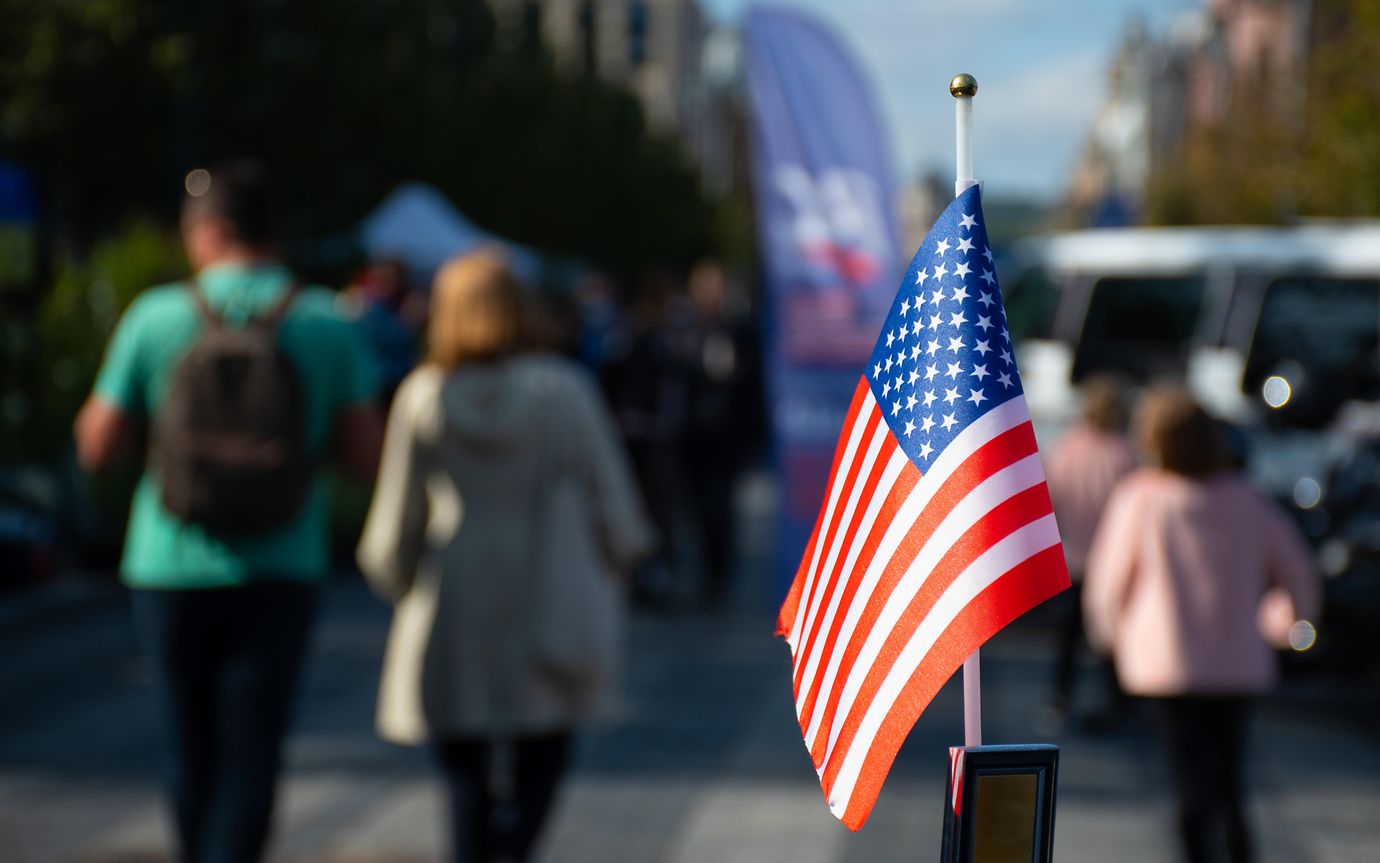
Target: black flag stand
<point>999,804</point>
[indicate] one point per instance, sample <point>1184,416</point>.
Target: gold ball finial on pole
<point>963,86</point>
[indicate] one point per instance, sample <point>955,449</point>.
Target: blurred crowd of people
<point>525,443</point>
<point>537,463</point>
<point>679,364</point>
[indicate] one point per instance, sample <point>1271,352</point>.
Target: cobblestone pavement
<point>706,765</point>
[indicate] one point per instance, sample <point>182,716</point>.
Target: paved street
<point>706,766</point>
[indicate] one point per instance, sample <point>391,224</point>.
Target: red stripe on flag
<point>855,468</point>
<point>996,454</point>
<point>900,490</point>
<point>1006,518</point>
<point>831,579</point>
<point>1025,586</point>
<point>789,608</point>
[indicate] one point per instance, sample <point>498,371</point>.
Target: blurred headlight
<point>1302,635</point>
<point>1276,391</point>
<point>1307,493</point>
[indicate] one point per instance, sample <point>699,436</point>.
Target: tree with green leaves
<point>110,102</point>
<point>1271,160</point>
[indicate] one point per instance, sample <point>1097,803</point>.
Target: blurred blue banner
<point>827,223</point>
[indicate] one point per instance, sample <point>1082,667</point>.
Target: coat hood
<point>495,405</point>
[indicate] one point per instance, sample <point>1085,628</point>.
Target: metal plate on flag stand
<point>999,805</point>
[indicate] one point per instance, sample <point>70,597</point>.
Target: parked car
<point>1277,330</point>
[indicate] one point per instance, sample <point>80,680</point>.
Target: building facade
<point>659,51</point>
<point>1227,58</point>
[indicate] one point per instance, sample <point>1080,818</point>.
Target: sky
<point>1041,67</point>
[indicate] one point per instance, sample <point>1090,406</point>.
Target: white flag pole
<point>963,88</point>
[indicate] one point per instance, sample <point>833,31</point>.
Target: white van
<point>1222,309</point>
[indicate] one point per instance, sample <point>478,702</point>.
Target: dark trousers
<point>1071,643</point>
<point>226,662</point>
<point>711,489</point>
<point>501,793</point>
<point>1205,740</point>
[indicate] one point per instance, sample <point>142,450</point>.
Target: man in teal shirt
<point>225,619</point>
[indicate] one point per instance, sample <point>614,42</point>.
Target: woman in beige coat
<point>475,441</point>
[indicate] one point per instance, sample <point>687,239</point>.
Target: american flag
<point>936,529</point>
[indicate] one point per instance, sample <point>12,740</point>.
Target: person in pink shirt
<point>1192,576</point>
<point>1089,460</point>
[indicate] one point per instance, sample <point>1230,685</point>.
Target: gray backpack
<point>230,444</point>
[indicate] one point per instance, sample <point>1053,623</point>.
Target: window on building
<point>589,38</point>
<point>637,32</point>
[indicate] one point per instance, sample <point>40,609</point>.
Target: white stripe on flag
<point>982,499</point>
<point>984,571</point>
<point>811,658</point>
<point>859,479</point>
<point>869,406</point>
<point>1001,419</point>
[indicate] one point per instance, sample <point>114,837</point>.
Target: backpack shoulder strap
<point>202,305</point>
<point>272,317</point>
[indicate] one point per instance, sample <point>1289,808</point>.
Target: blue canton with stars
<point>944,356</point>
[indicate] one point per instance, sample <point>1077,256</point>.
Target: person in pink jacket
<point>1085,466</point>
<point>1192,576</point>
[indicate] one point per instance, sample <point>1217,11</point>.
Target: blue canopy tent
<point>417,225</point>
